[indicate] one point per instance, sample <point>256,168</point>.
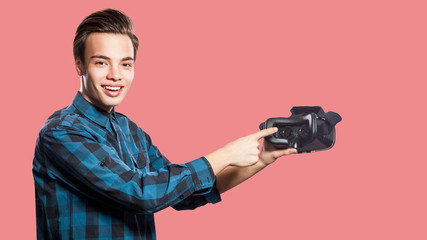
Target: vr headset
<point>308,129</point>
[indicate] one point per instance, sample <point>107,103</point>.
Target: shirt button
<point>181,197</point>
<point>103,163</point>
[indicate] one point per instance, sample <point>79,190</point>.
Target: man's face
<point>108,69</point>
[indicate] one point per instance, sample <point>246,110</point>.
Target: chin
<point>113,103</point>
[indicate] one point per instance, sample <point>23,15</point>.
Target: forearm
<point>218,160</point>
<point>233,176</point>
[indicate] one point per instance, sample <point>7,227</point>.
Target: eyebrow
<point>107,58</point>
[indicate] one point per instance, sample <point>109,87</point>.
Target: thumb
<point>281,153</point>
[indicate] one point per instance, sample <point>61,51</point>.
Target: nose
<point>114,74</point>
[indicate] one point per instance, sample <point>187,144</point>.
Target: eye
<point>127,65</point>
<point>100,63</point>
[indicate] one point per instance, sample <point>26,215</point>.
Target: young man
<point>97,174</point>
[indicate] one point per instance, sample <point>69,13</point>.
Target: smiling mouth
<point>111,88</point>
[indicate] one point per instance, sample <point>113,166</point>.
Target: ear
<point>79,66</point>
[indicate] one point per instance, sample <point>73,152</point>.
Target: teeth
<point>112,88</point>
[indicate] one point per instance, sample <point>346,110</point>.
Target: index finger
<point>265,132</point>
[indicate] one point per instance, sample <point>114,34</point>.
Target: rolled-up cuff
<point>202,174</point>
<point>213,196</point>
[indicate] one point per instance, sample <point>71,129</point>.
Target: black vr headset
<point>308,129</point>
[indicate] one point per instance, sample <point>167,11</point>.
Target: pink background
<point>209,72</point>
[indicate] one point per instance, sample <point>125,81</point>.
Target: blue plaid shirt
<point>98,176</point>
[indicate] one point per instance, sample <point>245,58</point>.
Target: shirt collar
<point>95,114</point>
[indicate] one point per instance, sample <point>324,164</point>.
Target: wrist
<point>218,160</point>
<point>258,166</point>
<point>262,164</point>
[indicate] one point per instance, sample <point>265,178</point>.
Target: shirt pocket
<point>140,159</point>
<point>138,155</point>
